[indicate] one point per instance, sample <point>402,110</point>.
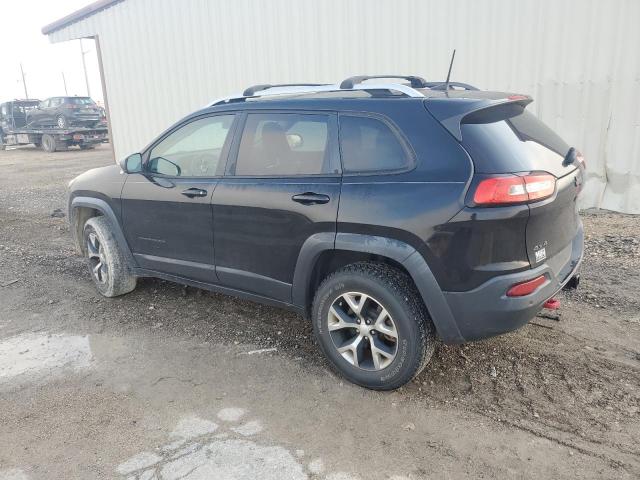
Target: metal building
<point>162,59</point>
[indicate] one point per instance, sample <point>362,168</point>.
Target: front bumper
<point>486,311</point>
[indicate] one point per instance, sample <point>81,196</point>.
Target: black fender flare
<point>396,250</point>
<point>105,209</point>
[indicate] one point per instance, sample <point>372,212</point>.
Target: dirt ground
<point>171,382</point>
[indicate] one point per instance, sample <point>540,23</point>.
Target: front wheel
<point>61,121</point>
<point>372,325</point>
<point>108,266</point>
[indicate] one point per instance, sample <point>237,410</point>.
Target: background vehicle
<point>388,213</point>
<point>14,130</point>
<point>65,112</point>
<point>13,114</point>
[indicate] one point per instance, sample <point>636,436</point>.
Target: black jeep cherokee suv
<point>389,213</point>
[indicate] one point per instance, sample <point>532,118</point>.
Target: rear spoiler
<point>451,111</point>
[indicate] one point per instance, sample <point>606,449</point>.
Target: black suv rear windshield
<point>79,101</point>
<point>507,138</point>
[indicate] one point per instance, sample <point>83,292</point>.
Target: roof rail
<point>352,83</point>
<point>272,90</point>
<point>251,91</point>
<point>415,82</point>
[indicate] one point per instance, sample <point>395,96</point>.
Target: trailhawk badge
<point>541,254</point>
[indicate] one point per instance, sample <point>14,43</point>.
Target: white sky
<point>43,62</point>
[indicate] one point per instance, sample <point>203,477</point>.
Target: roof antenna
<point>446,84</point>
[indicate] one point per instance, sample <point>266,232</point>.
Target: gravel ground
<point>173,382</point>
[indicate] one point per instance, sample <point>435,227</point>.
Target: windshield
<point>24,107</point>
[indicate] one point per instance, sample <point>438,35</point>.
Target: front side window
<point>369,145</point>
<point>284,144</point>
<point>55,102</point>
<point>194,150</point>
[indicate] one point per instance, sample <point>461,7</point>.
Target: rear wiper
<point>570,157</point>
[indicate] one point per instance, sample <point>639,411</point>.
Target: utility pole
<point>24,84</point>
<point>64,81</point>
<point>84,66</point>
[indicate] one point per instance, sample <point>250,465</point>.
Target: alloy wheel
<point>97,259</point>
<point>362,331</point>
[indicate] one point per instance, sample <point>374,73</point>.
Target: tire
<point>108,266</point>
<point>48,143</point>
<point>61,121</point>
<point>385,288</point>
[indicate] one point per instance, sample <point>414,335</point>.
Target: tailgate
<point>554,223</point>
<point>506,139</point>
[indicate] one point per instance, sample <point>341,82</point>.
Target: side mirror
<point>131,164</point>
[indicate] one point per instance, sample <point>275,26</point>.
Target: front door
<point>282,187</point>
<point>167,213</point>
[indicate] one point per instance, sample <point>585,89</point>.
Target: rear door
<point>281,187</point>
<point>167,209</point>
<point>508,139</point>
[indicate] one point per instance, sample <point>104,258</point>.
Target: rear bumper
<point>83,118</point>
<point>486,311</point>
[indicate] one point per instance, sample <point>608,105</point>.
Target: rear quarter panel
<point>412,206</point>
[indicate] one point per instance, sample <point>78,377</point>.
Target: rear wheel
<point>48,143</point>
<point>107,264</point>
<point>372,325</point>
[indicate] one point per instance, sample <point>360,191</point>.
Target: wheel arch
<point>324,253</point>
<point>82,209</point>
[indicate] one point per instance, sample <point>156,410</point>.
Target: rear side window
<point>369,145</point>
<point>510,139</point>
<point>285,144</point>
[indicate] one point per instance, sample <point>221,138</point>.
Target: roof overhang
<point>78,15</point>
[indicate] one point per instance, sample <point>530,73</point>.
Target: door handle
<point>310,198</point>
<point>194,192</point>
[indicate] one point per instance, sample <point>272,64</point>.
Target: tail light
<point>514,189</point>
<point>525,288</point>
<point>581,160</point>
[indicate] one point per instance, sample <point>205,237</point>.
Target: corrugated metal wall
<point>579,59</point>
